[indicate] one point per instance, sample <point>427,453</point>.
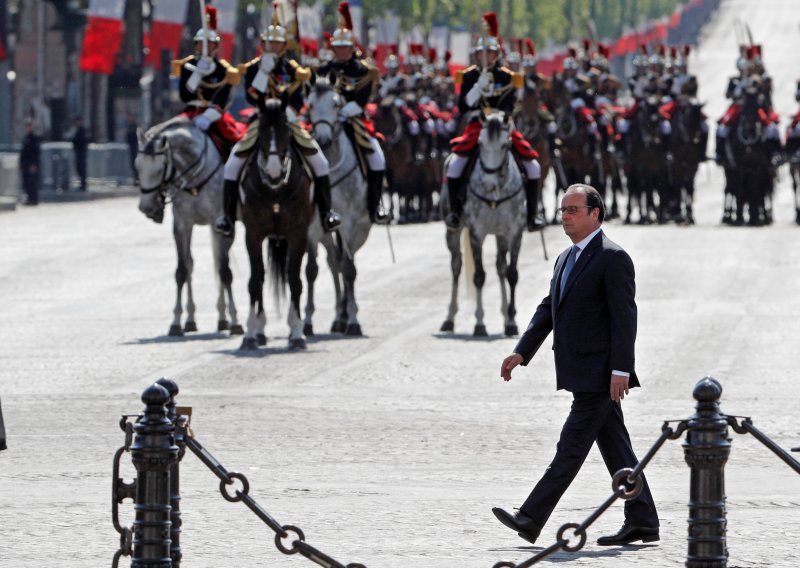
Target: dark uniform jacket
<point>353,79</point>
<point>285,80</point>
<point>213,90</point>
<point>593,324</point>
<point>506,82</point>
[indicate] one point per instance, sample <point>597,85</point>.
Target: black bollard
<point>706,450</point>
<point>174,478</point>
<point>154,454</point>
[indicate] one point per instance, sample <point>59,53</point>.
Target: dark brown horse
<point>688,147</point>
<point>530,119</point>
<point>277,205</point>
<point>408,178</point>
<point>646,167</point>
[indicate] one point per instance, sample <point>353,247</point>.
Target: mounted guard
<point>274,75</point>
<point>205,86</point>
<point>353,79</point>
<point>485,89</point>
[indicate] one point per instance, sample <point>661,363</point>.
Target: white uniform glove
<point>206,66</point>
<point>205,120</point>
<point>267,63</point>
<point>350,110</point>
<point>481,88</point>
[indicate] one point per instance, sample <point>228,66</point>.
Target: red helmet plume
<point>344,12</point>
<point>530,46</point>
<point>490,21</point>
<point>211,17</point>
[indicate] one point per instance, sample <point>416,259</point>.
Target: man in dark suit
<point>592,313</point>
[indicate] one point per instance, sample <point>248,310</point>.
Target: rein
<point>183,185</point>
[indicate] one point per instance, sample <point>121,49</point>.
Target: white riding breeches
<point>318,162</point>
<point>376,160</point>
<point>413,128</point>
<point>455,169</point>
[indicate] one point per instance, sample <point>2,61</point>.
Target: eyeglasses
<point>572,209</point>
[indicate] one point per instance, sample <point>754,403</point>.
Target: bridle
<point>170,173</point>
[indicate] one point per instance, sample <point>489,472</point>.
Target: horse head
<point>749,128</point>
<point>649,121</point>
<point>689,121</point>
<point>494,142</point>
<point>323,111</point>
<point>273,142</point>
<point>153,167</point>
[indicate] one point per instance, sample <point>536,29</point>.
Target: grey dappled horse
<point>177,163</point>
<point>495,205</point>
<point>348,194</point>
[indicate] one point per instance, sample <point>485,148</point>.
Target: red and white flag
<point>166,30</point>
<point>226,27</point>
<point>103,36</point>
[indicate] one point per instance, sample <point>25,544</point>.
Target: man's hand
<point>619,387</point>
<point>267,63</point>
<point>508,365</point>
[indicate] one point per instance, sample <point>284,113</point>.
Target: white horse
<point>348,194</point>
<point>177,163</point>
<point>494,205</point>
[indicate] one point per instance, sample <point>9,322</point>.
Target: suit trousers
<point>594,417</point>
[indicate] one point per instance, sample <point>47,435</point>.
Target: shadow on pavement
<point>469,336</point>
<point>179,338</point>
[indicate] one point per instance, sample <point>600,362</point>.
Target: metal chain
<point>746,427</point>
<point>121,490</point>
<point>619,485</point>
<point>282,532</point>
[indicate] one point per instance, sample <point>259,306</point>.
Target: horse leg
<point>294,266</point>
<point>454,246</point>
<point>478,279</point>
<point>182,246</point>
<point>257,319</point>
<point>349,275</point>
<point>795,173</point>
<point>501,265</point>
<point>312,271</point>
<point>513,277</point>
<point>190,324</point>
<point>221,247</point>
<point>334,263</point>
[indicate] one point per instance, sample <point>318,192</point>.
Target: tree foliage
<point>541,20</point>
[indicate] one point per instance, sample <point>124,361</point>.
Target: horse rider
<point>353,79</point>
<point>205,86</point>
<point>396,84</point>
<point>275,75</point>
<point>578,85</point>
<point>793,130</point>
<point>493,87</point>
<point>541,83</point>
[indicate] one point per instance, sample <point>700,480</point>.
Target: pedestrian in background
<point>29,163</point>
<point>80,146</point>
<point>132,140</point>
<point>591,311</point>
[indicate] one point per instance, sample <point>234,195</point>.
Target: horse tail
<point>469,264</point>
<point>277,255</point>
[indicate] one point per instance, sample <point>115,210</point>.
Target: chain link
<point>619,486</point>
<point>120,491</point>
<point>283,533</point>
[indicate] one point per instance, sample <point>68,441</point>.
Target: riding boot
<point>720,150</point>
<point>225,224</point>
<point>374,193</point>
<point>552,144</point>
<point>703,144</point>
<point>593,146</point>
<point>453,219</point>
<point>533,197</point>
<point>329,218</point>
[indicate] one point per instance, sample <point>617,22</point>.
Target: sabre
<point>391,246</point>
<point>205,27</point>
<point>562,175</point>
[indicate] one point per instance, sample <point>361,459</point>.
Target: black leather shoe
<point>628,534</point>
<point>331,221</point>
<point>224,226</point>
<point>520,522</point>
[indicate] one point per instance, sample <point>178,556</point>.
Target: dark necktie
<point>570,264</point>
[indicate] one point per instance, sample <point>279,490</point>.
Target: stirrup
<point>224,226</point>
<point>331,221</point>
<point>453,221</point>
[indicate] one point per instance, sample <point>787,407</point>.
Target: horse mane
<point>322,85</point>
<point>154,132</point>
<point>494,125</point>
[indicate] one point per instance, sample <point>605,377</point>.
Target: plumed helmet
<point>209,33</point>
<point>529,59</point>
<point>491,29</point>
<point>392,61</point>
<point>344,36</point>
<point>275,31</point>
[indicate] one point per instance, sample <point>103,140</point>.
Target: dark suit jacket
<point>594,324</point>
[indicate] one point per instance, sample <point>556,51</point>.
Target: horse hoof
<point>353,330</point>
<point>249,344</point>
<point>480,331</point>
<point>175,331</point>
<point>297,344</point>
<point>447,326</point>
<point>223,325</point>
<point>511,330</point>
<point>261,339</point>
<point>308,330</point>
<point>338,327</point>
<point>190,326</point>
<point>237,329</point>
